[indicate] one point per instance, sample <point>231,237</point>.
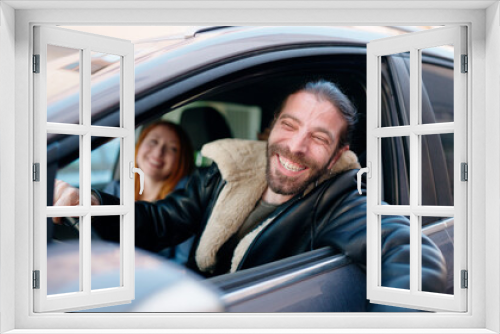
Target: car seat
<point>203,125</point>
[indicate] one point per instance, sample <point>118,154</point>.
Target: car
<point>238,76</point>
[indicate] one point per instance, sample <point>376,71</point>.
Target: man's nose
<point>298,143</point>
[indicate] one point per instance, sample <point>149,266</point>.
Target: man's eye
<point>287,125</point>
<point>320,139</point>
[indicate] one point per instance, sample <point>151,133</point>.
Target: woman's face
<point>158,153</point>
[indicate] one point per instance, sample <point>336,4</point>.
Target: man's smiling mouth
<point>289,165</point>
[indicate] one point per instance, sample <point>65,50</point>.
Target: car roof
<point>215,46</point>
<point>164,59</point>
<point>171,58</point>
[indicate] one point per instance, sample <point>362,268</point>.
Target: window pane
<point>395,77</point>
<point>106,257</point>
<point>63,257</point>
<point>105,89</point>
<point>399,274</point>
<point>437,170</point>
<point>440,231</point>
<point>437,85</point>
<point>63,85</point>
<point>396,170</point>
<point>105,158</point>
<point>61,165</point>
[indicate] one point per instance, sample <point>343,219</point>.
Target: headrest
<point>204,125</point>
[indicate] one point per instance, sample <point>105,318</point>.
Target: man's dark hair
<point>326,90</point>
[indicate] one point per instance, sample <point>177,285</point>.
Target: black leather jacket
<point>332,214</point>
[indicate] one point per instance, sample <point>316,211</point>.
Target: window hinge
<point>465,279</point>
<point>36,279</point>
<point>465,64</point>
<point>464,171</point>
<point>36,63</point>
<point>36,172</point>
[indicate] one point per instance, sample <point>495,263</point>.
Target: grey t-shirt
<point>261,211</point>
<point>257,216</point>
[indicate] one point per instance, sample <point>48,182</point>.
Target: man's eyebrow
<point>321,129</point>
<point>283,115</point>
<point>326,132</point>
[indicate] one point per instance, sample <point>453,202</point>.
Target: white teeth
<point>289,166</point>
<point>155,163</point>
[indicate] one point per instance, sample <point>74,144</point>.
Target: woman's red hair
<point>185,163</point>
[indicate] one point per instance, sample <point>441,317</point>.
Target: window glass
<point>398,85</point>
<point>104,159</point>
<point>63,271</point>
<point>105,259</point>
<point>440,231</point>
<point>396,170</point>
<point>105,93</point>
<point>63,85</point>
<point>69,173</point>
<point>437,169</point>
<point>401,257</point>
<point>437,85</point>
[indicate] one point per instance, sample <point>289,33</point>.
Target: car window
<point>246,101</point>
<point>208,120</point>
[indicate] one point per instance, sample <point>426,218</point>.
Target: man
<point>258,205</point>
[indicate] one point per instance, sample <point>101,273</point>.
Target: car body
<point>244,73</point>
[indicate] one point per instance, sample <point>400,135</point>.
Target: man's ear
<point>338,155</point>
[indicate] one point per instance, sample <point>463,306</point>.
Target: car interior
<point>260,90</point>
<point>242,105</point>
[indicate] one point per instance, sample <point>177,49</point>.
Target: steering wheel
<point>69,229</point>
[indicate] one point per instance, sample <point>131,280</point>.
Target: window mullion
<point>422,211</point>
<point>414,170</point>
<point>86,116</point>
<point>127,237</point>
<point>420,129</point>
<point>85,240</point>
<point>77,129</point>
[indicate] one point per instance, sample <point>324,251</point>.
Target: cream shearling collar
<point>242,164</point>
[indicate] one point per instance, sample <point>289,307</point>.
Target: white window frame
<point>414,44</point>
<point>85,43</point>
<point>483,103</point>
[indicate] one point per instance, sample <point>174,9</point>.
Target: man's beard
<point>289,185</point>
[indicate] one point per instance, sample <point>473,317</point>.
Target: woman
<point>165,155</point>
